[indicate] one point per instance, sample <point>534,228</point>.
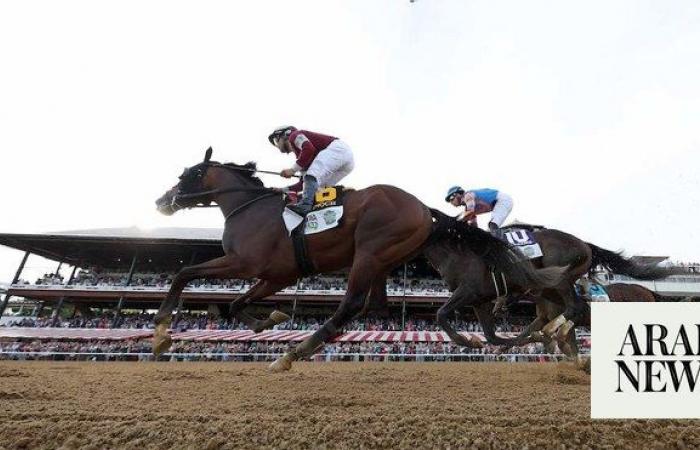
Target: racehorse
<point>629,292</point>
<point>383,226</point>
<point>559,308</point>
<point>617,292</point>
<point>622,292</point>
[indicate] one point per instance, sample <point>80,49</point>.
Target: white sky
<point>587,113</point>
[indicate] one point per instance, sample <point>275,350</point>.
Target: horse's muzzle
<point>166,204</point>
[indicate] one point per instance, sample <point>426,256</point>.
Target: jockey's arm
<point>307,152</point>
<point>467,216</point>
<point>469,202</point>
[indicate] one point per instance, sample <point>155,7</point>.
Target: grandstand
<point>118,277</point>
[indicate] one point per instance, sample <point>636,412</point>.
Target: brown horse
<point>383,226</point>
<point>623,292</point>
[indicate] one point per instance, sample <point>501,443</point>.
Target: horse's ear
<point>207,155</point>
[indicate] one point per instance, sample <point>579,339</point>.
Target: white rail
<point>260,357</point>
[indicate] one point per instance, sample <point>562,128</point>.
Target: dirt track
<point>370,405</point>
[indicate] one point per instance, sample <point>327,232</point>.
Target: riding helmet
<point>451,192</point>
<point>279,132</point>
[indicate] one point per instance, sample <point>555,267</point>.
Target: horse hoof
<point>554,325</point>
<point>282,364</point>
<point>161,344</point>
<point>537,336</point>
<point>584,363</point>
<point>551,347</point>
<point>564,330</point>
<point>278,317</point>
<point>566,349</point>
<point>475,342</point>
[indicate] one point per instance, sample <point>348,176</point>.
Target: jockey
<point>480,201</point>
<point>322,160</point>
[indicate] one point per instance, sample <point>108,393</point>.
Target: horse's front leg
<point>223,267</point>
<point>460,297</point>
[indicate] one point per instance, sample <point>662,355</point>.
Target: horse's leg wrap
<point>554,325</point>
<point>564,330</point>
<point>309,346</point>
<point>161,338</point>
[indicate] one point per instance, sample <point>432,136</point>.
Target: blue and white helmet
<point>451,192</point>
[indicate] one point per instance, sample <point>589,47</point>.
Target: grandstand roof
<point>165,248</point>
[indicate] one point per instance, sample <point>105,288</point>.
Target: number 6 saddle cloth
<point>325,215</point>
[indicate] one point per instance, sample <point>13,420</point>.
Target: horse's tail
<point>495,253</point>
<point>615,263</point>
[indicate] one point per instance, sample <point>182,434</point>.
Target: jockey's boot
<point>304,206</point>
<point>495,231</point>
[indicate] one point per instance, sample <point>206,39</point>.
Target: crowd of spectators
<point>230,350</point>
<point>693,268</point>
<point>163,280</point>
<point>157,279</point>
<point>203,321</point>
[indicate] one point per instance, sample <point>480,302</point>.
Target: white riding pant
<point>503,207</point>
<point>332,164</point>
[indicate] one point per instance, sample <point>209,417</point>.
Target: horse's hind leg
<point>260,290</point>
<point>364,271</point>
<point>574,312</point>
<point>376,299</point>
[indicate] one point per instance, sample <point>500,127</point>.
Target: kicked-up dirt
<point>82,405</point>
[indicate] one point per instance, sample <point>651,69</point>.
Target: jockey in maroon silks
<point>322,161</point>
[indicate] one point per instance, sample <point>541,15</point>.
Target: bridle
<point>267,192</point>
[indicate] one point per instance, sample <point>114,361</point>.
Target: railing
<point>267,357</point>
<point>217,288</point>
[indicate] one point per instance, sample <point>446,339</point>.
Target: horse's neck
<point>252,219</point>
<point>229,201</point>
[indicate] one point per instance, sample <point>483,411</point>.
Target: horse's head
<point>184,194</point>
<point>200,183</point>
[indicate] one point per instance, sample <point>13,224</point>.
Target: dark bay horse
<point>559,308</point>
<point>617,292</point>
<point>383,226</point>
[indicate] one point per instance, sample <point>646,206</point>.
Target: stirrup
<point>300,209</point>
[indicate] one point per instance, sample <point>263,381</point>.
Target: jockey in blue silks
<point>480,201</point>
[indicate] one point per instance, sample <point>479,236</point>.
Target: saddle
<point>326,214</point>
<point>523,226</point>
<point>522,239</point>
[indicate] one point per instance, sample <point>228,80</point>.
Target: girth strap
<point>499,282</point>
<point>301,252</point>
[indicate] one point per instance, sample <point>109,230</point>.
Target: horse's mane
<point>249,172</point>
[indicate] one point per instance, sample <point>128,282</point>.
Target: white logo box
<point>610,324</point>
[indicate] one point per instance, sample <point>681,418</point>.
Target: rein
<point>268,192</point>
<point>231,189</point>
<point>222,191</point>
<point>247,204</point>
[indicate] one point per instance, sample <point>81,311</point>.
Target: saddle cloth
<point>596,292</point>
<point>523,241</point>
<point>326,214</point>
